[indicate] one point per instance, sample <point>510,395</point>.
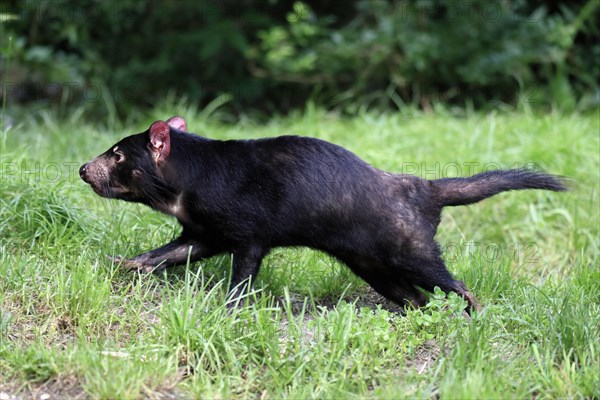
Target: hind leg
<point>428,273</point>
<point>419,263</point>
<point>397,290</point>
<point>391,286</point>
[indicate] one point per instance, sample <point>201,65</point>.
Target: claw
<point>130,264</point>
<point>472,303</point>
<point>134,265</point>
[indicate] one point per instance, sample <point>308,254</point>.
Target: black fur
<point>247,197</point>
<point>463,191</point>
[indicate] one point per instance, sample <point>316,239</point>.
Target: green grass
<point>73,324</point>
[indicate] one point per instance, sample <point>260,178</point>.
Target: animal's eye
<point>118,156</point>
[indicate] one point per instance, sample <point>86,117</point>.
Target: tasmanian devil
<point>245,197</point>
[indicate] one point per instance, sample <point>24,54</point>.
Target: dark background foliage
<point>273,55</point>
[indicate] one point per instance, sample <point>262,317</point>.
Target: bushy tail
<point>463,191</point>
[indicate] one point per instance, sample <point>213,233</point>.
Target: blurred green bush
<point>274,55</point>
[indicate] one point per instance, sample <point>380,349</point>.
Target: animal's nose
<point>83,171</point>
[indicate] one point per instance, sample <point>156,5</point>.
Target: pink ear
<point>178,123</point>
<point>160,140</point>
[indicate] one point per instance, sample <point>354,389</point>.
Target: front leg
<point>174,253</point>
<point>246,263</point>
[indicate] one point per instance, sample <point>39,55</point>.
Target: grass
<point>72,324</point>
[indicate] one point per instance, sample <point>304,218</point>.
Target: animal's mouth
<point>99,189</point>
<point>109,191</point>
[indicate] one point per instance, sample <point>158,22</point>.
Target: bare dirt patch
<point>63,387</point>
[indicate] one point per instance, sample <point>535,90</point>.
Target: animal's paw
<point>116,259</point>
<point>132,264</point>
<point>473,303</point>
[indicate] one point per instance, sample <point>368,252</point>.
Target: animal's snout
<point>83,172</point>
